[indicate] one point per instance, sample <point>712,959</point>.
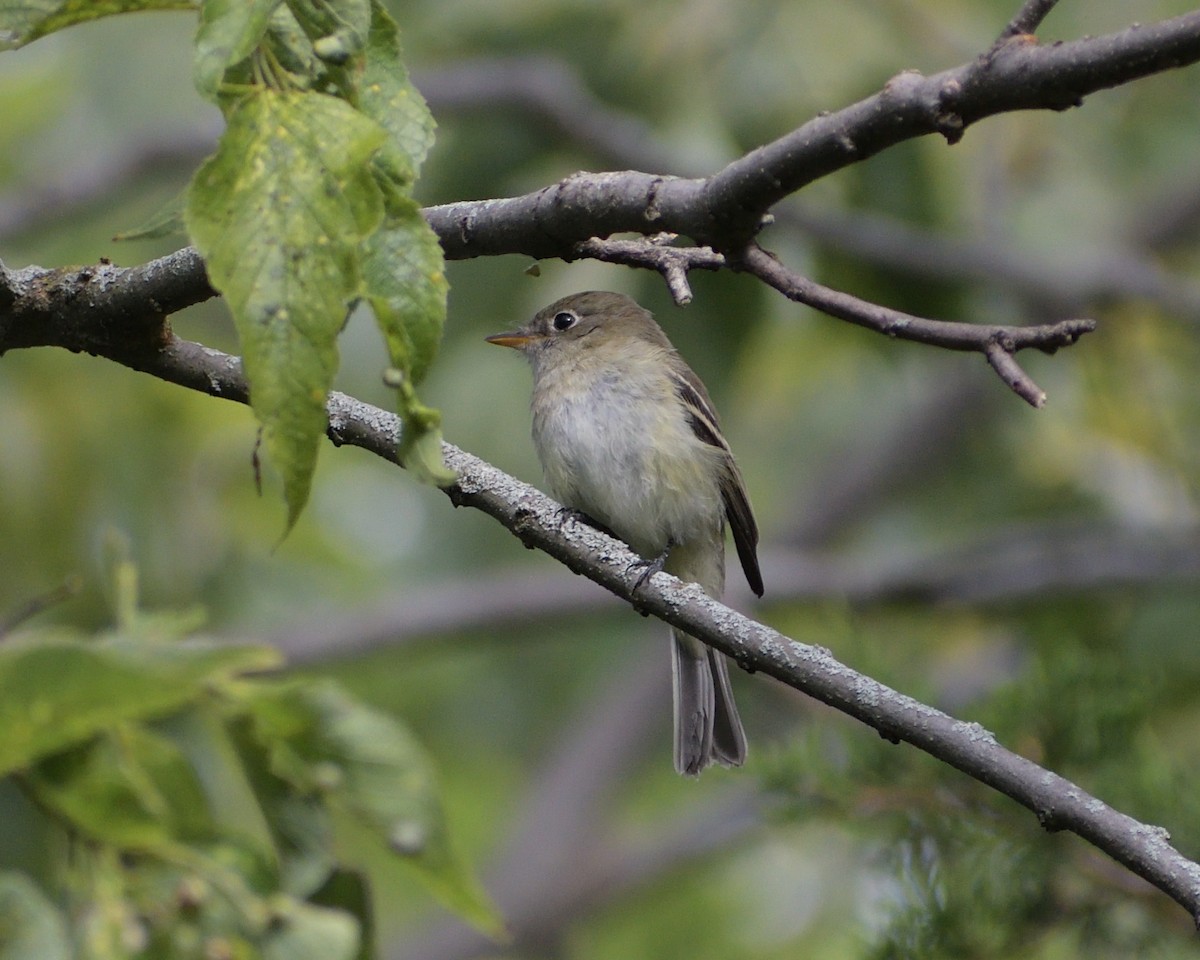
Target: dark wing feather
<point>703,420</point>
<point>741,522</point>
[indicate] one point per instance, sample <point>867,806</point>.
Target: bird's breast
<point>620,448</point>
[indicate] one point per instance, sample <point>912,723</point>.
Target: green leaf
<point>225,778</point>
<point>132,789</point>
<point>291,48</point>
<point>280,213</point>
<point>23,21</point>
<point>230,30</point>
<point>322,741</point>
<point>404,283</point>
<point>348,890</point>
<point>420,449</point>
<point>30,925</point>
<point>337,28</point>
<point>403,267</point>
<point>389,97</point>
<point>300,823</point>
<point>56,692</point>
<point>302,931</point>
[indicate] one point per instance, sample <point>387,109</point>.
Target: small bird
<point>627,435</point>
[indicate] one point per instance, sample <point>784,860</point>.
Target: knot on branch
<point>1049,338</point>
<point>656,252</point>
<point>948,121</point>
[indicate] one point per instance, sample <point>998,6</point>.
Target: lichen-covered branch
<point>539,522</point>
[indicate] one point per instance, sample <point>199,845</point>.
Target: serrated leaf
<point>390,98</point>
<point>30,925</point>
<point>404,283</point>
<point>366,762</point>
<point>132,789</point>
<point>229,32</point>
<point>57,691</point>
<point>280,213</point>
<point>23,21</point>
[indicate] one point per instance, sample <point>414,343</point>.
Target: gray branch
<point>725,211</point>
<point>538,522</point>
<point>996,343</point>
<point>1027,19</point>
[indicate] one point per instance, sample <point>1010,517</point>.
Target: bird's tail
<point>707,725</point>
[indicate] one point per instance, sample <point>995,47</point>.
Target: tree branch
<point>722,213</point>
<point>725,210</point>
<point>656,253</point>
<point>997,343</point>
<point>538,522</point>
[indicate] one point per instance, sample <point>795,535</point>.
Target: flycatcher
<point>627,435</point>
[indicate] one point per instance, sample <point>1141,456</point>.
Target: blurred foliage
<point>195,803</point>
<point>861,849</point>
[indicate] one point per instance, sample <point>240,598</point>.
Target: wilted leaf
<point>404,282</point>
<point>291,48</point>
<point>280,214</point>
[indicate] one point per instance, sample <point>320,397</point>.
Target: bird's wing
<point>703,420</point>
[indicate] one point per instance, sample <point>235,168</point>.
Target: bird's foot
<point>651,567</point>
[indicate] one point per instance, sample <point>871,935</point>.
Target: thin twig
<point>656,253</point>
<point>1005,364</point>
<point>1027,19</point>
<point>997,343</point>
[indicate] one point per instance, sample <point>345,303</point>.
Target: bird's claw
<point>650,567</point>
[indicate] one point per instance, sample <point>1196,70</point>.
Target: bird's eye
<point>564,320</point>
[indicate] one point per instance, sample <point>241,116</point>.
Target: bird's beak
<point>516,339</point>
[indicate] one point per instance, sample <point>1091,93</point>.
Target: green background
<point>998,527</point>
